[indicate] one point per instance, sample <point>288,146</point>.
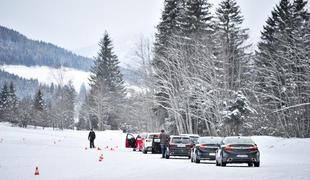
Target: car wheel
<point>256,164</point>
<point>250,164</point>
<point>144,151</point>
<point>197,161</point>
<point>216,163</point>
<point>223,163</point>
<point>192,159</point>
<point>134,149</point>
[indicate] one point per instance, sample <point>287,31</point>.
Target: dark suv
<point>238,149</point>
<point>179,146</point>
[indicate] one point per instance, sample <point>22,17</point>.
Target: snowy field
<point>62,155</point>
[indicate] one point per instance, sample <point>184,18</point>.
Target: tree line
<point>206,80</point>
<point>49,107</point>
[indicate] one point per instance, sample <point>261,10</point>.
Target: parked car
<point>135,142</point>
<point>151,143</point>
<point>238,149</point>
<point>179,146</point>
<point>193,137</point>
<point>205,148</point>
<point>156,145</point>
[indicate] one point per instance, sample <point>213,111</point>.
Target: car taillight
<point>228,148</point>
<point>253,148</point>
<point>172,145</point>
<point>189,146</point>
<point>201,146</point>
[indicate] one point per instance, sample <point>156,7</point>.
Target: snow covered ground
<point>61,155</point>
<point>48,75</point>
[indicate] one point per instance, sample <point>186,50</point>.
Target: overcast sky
<point>78,25</point>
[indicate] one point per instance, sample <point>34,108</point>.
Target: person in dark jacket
<point>91,138</point>
<point>164,140</point>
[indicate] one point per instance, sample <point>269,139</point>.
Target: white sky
<point>78,25</point>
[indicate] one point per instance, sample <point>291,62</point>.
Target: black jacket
<point>91,135</point>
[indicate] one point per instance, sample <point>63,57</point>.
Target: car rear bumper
<point>206,155</point>
<point>241,158</point>
<point>179,153</point>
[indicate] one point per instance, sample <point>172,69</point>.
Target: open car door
<point>130,141</point>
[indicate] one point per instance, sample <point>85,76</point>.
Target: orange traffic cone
<point>101,158</point>
<point>36,172</point>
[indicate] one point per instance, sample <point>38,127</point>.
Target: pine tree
<point>68,105</point>
<point>4,103</point>
<point>39,117</point>
<point>282,68</point>
<point>107,86</point>
<point>196,19</point>
<point>13,104</point>
<point>232,46</point>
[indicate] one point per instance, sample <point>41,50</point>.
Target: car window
<point>180,140</point>
<point>210,140</point>
<point>130,136</point>
<point>238,140</point>
<point>151,136</point>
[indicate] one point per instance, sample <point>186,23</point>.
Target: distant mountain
<point>17,49</point>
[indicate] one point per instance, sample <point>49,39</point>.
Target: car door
<point>130,141</point>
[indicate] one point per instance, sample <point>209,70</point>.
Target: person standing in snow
<point>164,139</point>
<point>91,138</point>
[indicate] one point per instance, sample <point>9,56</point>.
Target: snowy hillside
<point>61,155</point>
<point>48,75</point>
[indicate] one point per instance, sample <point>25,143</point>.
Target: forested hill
<point>17,49</point>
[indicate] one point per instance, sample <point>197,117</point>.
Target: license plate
<point>242,155</point>
<point>211,154</point>
<point>156,140</point>
<point>181,145</point>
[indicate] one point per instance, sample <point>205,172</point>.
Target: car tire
<point>256,164</point>
<point>250,164</point>
<point>192,159</point>
<point>216,163</point>
<point>223,163</point>
<point>134,149</point>
<point>197,161</point>
<point>144,151</point>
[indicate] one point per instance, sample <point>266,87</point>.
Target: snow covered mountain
<point>45,62</point>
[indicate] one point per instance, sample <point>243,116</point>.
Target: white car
<point>148,142</point>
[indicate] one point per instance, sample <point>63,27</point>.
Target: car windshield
<point>238,140</point>
<point>210,140</point>
<point>180,140</point>
<point>152,135</point>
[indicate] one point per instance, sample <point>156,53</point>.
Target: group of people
<point>163,136</point>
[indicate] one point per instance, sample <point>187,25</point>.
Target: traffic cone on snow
<point>36,172</point>
<point>101,158</point>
